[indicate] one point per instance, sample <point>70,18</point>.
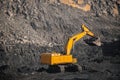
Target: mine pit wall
<point>29,29</point>
<point>100,7</point>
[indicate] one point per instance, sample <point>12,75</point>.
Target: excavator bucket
<point>94,41</point>
<point>97,42</point>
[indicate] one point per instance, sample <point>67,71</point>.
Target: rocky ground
<point>31,27</point>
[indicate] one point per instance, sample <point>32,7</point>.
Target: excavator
<point>59,61</point>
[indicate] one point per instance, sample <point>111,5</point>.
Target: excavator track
<point>56,68</point>
<point>64,68</point>
<point>74,68</point>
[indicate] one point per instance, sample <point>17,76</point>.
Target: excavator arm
<point>77,37</point>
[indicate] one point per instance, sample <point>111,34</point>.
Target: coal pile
<point>31,27</point>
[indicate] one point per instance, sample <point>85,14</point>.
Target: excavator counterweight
<point>57,58</point>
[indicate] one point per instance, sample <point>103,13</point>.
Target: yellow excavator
<point>61,61</point>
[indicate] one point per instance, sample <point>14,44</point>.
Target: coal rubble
<point>31,27</point>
